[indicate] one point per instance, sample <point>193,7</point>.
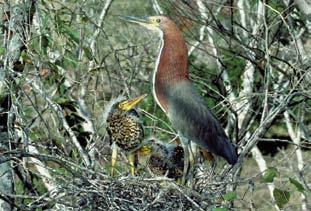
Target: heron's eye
<point>158,20</point>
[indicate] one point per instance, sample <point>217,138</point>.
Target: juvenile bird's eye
<point>158,20</point>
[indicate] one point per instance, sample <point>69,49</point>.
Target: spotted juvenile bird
<point>125,129</point>
<point>164,159</point>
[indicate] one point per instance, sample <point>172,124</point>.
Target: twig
<point>58,110</point>
<point>262,167</point>
<point>187,197</point>
<point>296,139</point>
<point>157,7</point>
<point>99,25</point>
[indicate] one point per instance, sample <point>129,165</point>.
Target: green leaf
<point>2,51</point>
<point>26,58</point>
<point>219,209</point>
<point>45,41</point>
<point>62,100</point>
<point>297,184</point>
<point>230,196</point>
<point>269,174</point>
<point>88,53</point>
<point>281,197</point>
<point>62,89</point>
<point>74,36</point>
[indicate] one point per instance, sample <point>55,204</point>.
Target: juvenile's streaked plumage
<point>164,158</point>
<point>124,128</point>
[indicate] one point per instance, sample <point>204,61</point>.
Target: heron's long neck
<point>171,67</point>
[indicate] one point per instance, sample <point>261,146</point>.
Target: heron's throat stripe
<point>155,92</point>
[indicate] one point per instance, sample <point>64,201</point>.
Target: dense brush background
<point>62,62</point>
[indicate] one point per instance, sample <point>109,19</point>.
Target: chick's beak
<point>144,151</point>
<point>129,104</point>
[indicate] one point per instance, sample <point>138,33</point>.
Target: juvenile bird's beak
<point>129,104</point>
<point>144,151</point>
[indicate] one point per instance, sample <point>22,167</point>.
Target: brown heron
<point>176,95</point>
<point>124,128</point>
<point>165,159</point>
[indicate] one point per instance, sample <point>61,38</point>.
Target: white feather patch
<point>156,69</point>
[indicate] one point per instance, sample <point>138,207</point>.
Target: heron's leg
<point>192,153</point>
<point>131,159</point>
<point>213,166</point>
<point>211,158</point>
<point>113,158</point>
<point>184,143</point>
<point>192,147</point>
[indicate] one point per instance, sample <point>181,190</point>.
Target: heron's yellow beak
<point>129,104</point>
<point>148,22</point>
